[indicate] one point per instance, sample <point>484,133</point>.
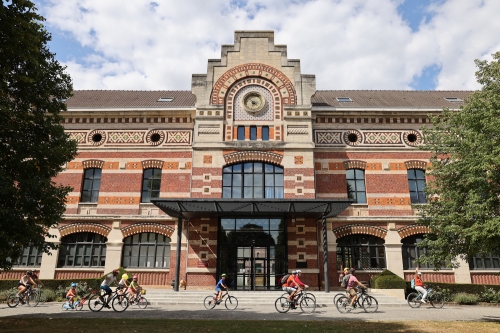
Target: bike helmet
<point>299,271</point>
<point>125,276</point>
<point>294,272</point>
<point>346,269</point>
<point>419,273</point>
<point>223,275</point>
<point>115,272</point>
<point>73,285</point>
<point>352,271</point>
<point>135,277</point>
<point>29,272</point>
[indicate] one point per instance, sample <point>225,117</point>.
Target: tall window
<point>91,184</point>
<point>252,180</point>
<point>356,185</point>
<point>411,252</point>
<point>241,132</point>
<point>151,182</point>
<point>83,249</point>
<point>30,257</point>
<point>253,132</point>
<point>361,252</point>
<point>488,262</point>
<point>265,133</point>
<point>416,183</point>
<point>146,249</point>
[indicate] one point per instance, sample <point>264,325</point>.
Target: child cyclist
<point>220,286</point>
<point>70,295</point>
<point>134,289</point>
<point>123,284</point>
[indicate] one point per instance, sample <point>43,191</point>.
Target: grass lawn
<point>93,325</point>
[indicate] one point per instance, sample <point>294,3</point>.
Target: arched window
<point>83,249</point>
<point>356,185</point>
<point>416,183</point>
<point>151,183</point>
<point>252,180</point>
<point>411,252</point>
<point>361,252</point>
<point>91,185</point>
<point>147,249</point>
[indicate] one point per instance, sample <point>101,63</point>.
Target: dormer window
<point>453,99</point>
<point>344,99</point>
<point>165,99</point>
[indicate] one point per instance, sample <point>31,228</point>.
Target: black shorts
<point>21,284</point>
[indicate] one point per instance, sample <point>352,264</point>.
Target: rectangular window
<point>91,185</point>
<point>356,185</point>
<point>151,183</point>
<point>241,132</point>
<point>253,132</point>
<point>265,133</point>
<point>416,183</point>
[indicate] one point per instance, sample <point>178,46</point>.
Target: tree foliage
<point>463,188</point>
<point>33,145</point>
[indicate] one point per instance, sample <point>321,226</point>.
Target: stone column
<point>114,247</point>
<point>393,253</point>
<point>49,261</point>
<point>332,256</point>
<point>462,273</point>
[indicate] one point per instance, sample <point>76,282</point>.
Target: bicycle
<point>231,302</point>
<point>303,299</point>
<point>42,296</point>
<point>30,297</point>
<point>365,301</point>
<point>119,302</point>
<point>81,301</point>
<point>306,293</point>
<point>436,299</point>
<point>138,300</point>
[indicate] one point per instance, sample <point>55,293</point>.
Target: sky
<point>347,44</point>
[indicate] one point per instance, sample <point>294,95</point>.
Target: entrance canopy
<point>190,208</point>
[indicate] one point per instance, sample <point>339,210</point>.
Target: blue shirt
<point>220,283</point>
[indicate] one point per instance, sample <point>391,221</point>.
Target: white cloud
<point>347,44</point>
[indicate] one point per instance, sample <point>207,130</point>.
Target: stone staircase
<point>251,298</point>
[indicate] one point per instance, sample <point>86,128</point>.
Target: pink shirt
<point>352,282</point>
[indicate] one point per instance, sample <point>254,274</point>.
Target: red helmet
<point>115,272</point>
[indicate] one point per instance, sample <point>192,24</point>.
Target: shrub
<point>387,280</point>
<point>490,295</point>
<point>447,295</point>
<point>50,295</point>
<point>464,298</point>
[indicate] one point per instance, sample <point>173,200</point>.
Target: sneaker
<point>423,301</point>
<point>349,308</point>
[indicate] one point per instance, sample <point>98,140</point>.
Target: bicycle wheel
<point>231,302</point>
<point>142,303</point>
<point>42,297</point>
<point>311,296</point>
<point>308,304</point>
<point>337,296</point>
<point>32,299</point>
<point>282,305</point>
<point>437,300</point>
<point>12,301</point>
<point>342,304</point>
<point>96,303</point>
<point>79,305</point>
<point>370,304</point>
<point>413,300</point>
<point>119,303</point>
<point>209,302</point>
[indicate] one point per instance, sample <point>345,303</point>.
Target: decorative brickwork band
<point>91,164</point>
<point>253,70</point>
<point>416,165</point>
<point>149,164</point>
<point>354,164</point>
<point>351,229</point>
<point>413,229</point>
<point>84,227</point>
<point>147,227</point>
<point>247,156</point>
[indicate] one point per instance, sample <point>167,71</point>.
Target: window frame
<point>128,247</point>
<point>65,250</point>
<point>419,193</point>
<point>156,179</point>
<point>240,133</point>
<point>492,259</point>
<point>265,133</point>
<point>354,194</point>
<point>253,133</point>
<point>238,182</point>
<point>32,252</point>
<point>347,249</point>
<point>92,193</point>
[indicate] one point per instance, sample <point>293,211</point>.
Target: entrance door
<point>254,267</point>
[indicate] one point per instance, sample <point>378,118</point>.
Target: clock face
<point>253,102</point>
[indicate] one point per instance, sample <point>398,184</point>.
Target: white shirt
<point>108,280</point>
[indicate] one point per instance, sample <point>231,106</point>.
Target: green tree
<point>33,145</point>
<point>463,188</point>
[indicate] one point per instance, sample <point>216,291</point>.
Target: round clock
<point>253,102</point>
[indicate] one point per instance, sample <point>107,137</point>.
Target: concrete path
<point>263,312</point>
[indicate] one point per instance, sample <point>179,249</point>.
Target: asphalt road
<point>263,312</point>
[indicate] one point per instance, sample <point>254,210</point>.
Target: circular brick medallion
<point>155,137</point>
<point>97,137</point>
<point>352,138</point>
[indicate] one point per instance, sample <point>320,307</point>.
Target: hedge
<point>456,288</point>
<point>387,280</point>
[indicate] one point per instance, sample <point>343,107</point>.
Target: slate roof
<point>130,99</point>
<point>389,98</point>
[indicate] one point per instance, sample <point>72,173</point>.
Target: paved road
<point>264,312</point>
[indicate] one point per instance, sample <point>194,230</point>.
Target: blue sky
<point>347,44</point>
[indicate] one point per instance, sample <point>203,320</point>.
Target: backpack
<point>345,280</point>
<point>284,278</point>
<point>412,283</point>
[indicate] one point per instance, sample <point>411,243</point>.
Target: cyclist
<point>108,280</point>
<point>70,296</point>
<point>352,285</point>
<point>35,278</point>
<point>24,282</point>
<point>299,282</point>
<point>123,284</point>
<point>341,276</point>
<point>220,286</point>
<point>134,287</point>
<point>292,287</point>
<point>419,285</point>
